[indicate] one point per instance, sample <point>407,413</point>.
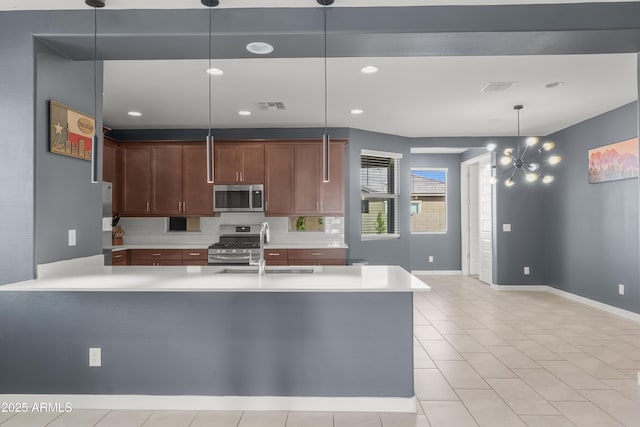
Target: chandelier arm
<point>526,147</point>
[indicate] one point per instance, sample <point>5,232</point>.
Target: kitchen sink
<point>243,270</point>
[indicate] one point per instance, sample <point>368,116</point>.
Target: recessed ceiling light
<point>554,85</point>
<point>215,71</point>
<point>356,111</point>
<point>369,69</point>
<point>260,48</point>
<point>244,112</point>
<point>134,113</point>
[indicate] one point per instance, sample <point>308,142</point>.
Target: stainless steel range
<point>238,245</point>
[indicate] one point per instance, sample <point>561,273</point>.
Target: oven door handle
<point>229,257</point>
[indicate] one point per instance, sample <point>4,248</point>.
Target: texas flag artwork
<point>71,132</point>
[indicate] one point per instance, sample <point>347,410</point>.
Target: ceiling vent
<point>271,105</point>
<point>497,86</point>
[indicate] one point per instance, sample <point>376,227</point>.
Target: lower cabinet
<point>334,256</point>
<point>168,257</point>
<point>120,258</point>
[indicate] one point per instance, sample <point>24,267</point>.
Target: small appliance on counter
<point>238,244</point>
<point>238,198</point>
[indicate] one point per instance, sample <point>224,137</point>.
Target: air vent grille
<point>271,105</point>
<point>497,86</point>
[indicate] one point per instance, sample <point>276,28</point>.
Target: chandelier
<point>528,161</point>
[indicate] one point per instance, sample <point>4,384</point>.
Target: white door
<point>474,219</point>
<point>486,245</point>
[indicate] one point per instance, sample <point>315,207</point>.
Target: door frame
<point>464,213</point>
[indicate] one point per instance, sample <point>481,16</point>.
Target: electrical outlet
<point>506,228</point>
<point>72,237</point>
<point>95,357</point>
<point>430,258</point>
<point>526,271</point>
<point>621,289</point>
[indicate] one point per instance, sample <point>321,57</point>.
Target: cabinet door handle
<point>273,253</point>
<point>194,254</point>
<point>237,176</point>
<point>184,206</point>
<point>241,176</point>
<point>316,254</point>
<point>179,206</point>
<point>156,254</point>
<point>118,256</point>
<point>147,206</point>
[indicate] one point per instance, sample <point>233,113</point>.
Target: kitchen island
<point>325,338</point>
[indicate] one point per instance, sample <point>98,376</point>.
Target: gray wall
<point>214,343</point>
<point>445,248</point>
<point>592,229</point>
<point>394,251</point>
<point>17,160</point>
<point>65,198</point>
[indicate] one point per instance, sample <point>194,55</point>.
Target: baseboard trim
<point>577,298</point>
<point>519,287</point>
<point>596,304</point>
<point>437,272</point>
<point>219,403</point>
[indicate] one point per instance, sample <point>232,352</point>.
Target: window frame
<point>446,199</point>
<point>395,196</point>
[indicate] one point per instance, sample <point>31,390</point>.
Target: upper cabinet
<point>239,163</point>
<point>111,171</point>
<point>166,179</point>
<point>293,179</point>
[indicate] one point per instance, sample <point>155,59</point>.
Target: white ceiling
<point>193,4</point>
<point>417,96</point>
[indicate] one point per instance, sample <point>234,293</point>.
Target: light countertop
<point>212,279</point>
<point>274,245</point>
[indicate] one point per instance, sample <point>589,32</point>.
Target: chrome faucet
<point>264,238</point>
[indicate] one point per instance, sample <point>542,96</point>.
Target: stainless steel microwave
<point>238,198</point>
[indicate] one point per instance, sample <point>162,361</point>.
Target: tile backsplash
<point>144,231</point>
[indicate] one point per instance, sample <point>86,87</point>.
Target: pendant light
<point>95,4</point>
<point>210,172</point>
<point>325,136</point>
<point>528,160</point>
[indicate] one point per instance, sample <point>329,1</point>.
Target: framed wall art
<point>70,131</point>
<point>614,162</point>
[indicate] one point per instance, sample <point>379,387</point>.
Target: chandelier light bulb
<point>548,146</point>
<point>504,160</point>
<point>533,166</point>
<point>508,151</point>
<point>510,182</point>
<point>548,179</point>
<point>532,140</point>
<point>532,177</point>
<point>491,146</point>
<point>554,160</point>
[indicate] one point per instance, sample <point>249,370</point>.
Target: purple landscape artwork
<point>614,161</point>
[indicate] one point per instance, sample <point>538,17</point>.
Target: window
<point>428,200</point>
<point>379,190</point>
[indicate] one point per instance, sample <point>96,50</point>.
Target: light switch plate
<point>72,237</point>
<point>506,228</point>
<point>95,357</point>
<point>621,289</point>
<point>526,271</point>
<point>430,258</point>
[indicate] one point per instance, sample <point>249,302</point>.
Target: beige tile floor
<point>482,358</point>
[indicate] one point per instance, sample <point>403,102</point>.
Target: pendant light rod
<point>95,4</point>
<point>209,144</point>
<point>325,136</point>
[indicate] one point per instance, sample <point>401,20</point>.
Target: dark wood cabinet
<point>308,176</point>
<point>111,171</point>
<point>332,192</point>
<point>168,257</point>
<point>238,163</point>
<point>120,258</point>
<point>166,179</point>
<point>312,196</point>
<point>136,179</point>
<point>332,256</point>
<point>279,179</point>
<point>197,193</point>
